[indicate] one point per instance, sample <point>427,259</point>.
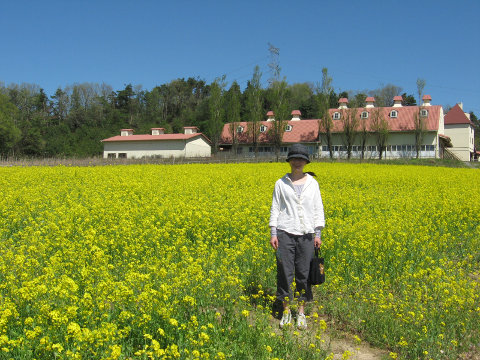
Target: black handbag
<point>316,276</point>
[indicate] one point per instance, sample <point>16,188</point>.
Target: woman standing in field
<point>296,221</point>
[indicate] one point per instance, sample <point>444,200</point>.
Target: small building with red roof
<point>461,131</point>
<point>127,145</point>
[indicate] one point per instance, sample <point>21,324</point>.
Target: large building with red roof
<point>400,143</point>
<point>460,129</point>
<point>127,145</point>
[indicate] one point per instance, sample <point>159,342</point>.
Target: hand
<point>274,242</point>
<point>317,242</point>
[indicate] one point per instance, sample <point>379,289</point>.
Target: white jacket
<point>297,216</point>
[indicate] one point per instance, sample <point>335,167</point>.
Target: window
<point>239,129</point>
<point>365,115</point>
<point>251,149</point>
<point>393,113</point>
<point>424,113</point>
<point>336,116</point>
<point>122,155</point>
<point>283,149</point>
<point>335,148</point>
<point>430,147</point>
<point>263,128</point>
<point>354,148</point>
<point>288,127</point>
<point>324,148</point>
<point>112,156</point>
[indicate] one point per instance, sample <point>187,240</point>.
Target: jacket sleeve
<point>318,208</point>
<point>275,209</point>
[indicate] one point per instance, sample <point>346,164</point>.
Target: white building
<point>461,130</point>
<point>400,142</point>
<point>189,144</point>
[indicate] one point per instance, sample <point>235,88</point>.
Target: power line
<point>381,78</point>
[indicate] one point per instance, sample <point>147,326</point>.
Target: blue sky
<point>362,43</point>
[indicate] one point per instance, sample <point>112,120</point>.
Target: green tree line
<point>73,120</point>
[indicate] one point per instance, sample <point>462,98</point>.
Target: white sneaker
<point>301,321</point>
<point>286,319</point>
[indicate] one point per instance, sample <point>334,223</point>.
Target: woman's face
<point>297,164</point>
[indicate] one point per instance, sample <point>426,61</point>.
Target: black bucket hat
<point>298,151</point>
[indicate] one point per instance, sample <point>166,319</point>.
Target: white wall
<point>137,149</point>
<point>462,136</point>
<point>395,138</point>
<point>198,147</point>
<point>165,148</point>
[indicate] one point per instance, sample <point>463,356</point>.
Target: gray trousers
<point>293,255</point>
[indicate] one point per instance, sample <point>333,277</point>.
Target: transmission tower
<point>273,65</point>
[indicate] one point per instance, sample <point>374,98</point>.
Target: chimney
<point>461,105</point>
<point>270,116</point>
<point>426,100</point>
<point>398,101</point>
<point>190,129</point>
<point>369,100</point>
<point>126,132</point>
<point>296,115</point>
<point>158,131</point>
<point>342,103</point>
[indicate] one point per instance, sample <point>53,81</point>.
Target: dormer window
<point>336,116</point>
<point>239,129</point>
<point>393,113</point>
<point>365,115</point>
<point>288,127</point>
<point>424,113</point>
<point>263,128</point>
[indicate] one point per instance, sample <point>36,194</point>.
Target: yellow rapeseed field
<point>165,262</point>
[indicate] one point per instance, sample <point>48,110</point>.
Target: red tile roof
<point>307,130</point>
<point>270,113</point>
<point>370,98</point>
<point>426,97</point>
<point>302,131</point>
<point>403,121</point>
<point>398,98</point>
<point>456,116</point>
<point>155,137</point>
<point>296,112</point>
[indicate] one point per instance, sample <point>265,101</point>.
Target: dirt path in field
<point>360,352</point>
<point>336,341</point>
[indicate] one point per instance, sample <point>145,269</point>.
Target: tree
<point>279,99</point>
<point>420,126</point>
<point>349,121</point>
<point>385,94</point>
<point>10,135</point>
<point>233,112</point>
<point>408,100</point>
<point>363,134</point>
<point>299,93</point>
<point>217,111</point>
<point>254,105</point>
<point>381,130</point>
<point>325,122</point>
<point>60,105</point>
